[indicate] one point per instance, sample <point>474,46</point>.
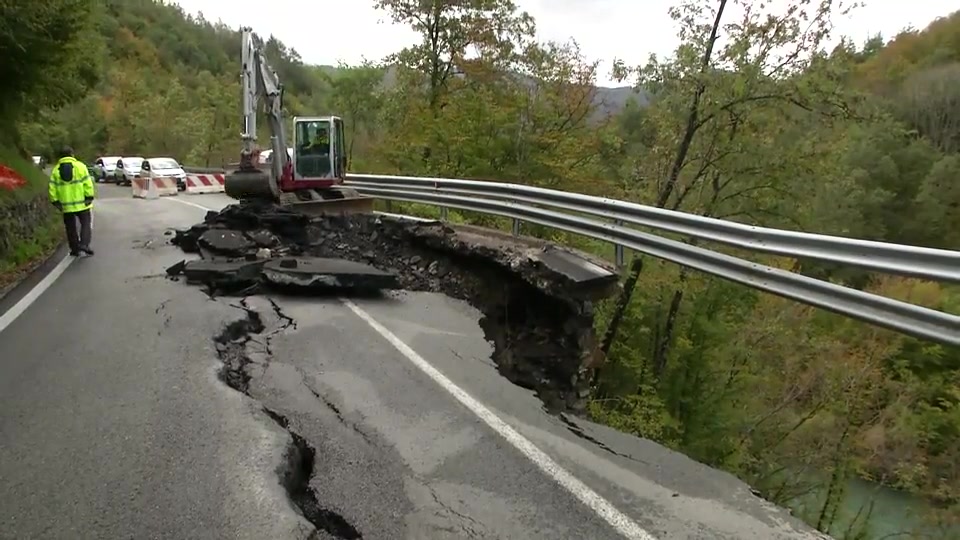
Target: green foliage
<point>48,58</point>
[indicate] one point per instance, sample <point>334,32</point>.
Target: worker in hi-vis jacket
<point>71,191</point>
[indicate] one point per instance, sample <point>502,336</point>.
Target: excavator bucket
<point>247,184</point>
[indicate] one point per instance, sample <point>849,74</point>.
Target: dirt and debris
<point>536,299</point>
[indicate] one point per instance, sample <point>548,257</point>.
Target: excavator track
<point>255,185</point>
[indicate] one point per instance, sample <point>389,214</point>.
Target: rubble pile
<point>538,318</point>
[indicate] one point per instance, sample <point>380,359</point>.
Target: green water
<point>894,514</point>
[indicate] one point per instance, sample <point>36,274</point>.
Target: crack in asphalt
<point>300,457</point>
<point>579,432</point>
<point>466,522</point>
<point>167,319</point>
<point>355,427</point>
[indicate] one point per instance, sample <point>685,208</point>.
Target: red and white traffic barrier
<point>151,187</point>
<point>204,183</point>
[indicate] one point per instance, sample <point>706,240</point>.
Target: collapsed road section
<point>536,299</point>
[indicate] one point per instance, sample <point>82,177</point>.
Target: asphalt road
<point>113,423</point>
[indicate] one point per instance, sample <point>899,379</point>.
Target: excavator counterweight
<point>308,175</point>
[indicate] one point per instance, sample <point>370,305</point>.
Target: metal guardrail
<point>607,219</point>
<point>203,170</point>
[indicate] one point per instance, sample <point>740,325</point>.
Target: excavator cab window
<point>313,149</point>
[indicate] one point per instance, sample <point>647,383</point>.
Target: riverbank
<point>870,511</point>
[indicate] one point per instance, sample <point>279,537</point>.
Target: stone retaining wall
<point>20,219</point>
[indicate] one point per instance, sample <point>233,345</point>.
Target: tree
<point>929,101</point>
<point>454,33</point>
<point>49,55</point>
<point>730,117</point>
<point>357,97</point>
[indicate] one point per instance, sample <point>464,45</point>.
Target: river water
<point>895,514</point>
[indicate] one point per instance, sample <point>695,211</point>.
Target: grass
<point>27,255</point>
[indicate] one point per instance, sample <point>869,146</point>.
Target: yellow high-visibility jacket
<point>71,186</point>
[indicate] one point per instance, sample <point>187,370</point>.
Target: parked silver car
<point>127,169</point>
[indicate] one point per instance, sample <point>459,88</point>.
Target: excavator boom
<point>310,173</point>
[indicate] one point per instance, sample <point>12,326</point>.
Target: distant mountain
<point>607,101</point>
<point>610,101</point>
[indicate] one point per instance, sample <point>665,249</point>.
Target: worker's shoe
<point>87,250</point>
<point>74,253</point>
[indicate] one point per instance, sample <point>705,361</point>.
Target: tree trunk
<point>835,488</point>
<point>693,114</point>
<point>636,266</point>
<point>664,196</point>
<point>663,347</point>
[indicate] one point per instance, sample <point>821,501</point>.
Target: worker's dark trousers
<point>78,239</point>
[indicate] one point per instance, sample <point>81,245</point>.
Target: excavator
<point>307,176</point>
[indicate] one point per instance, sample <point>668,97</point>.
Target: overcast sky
<point>328,31</point>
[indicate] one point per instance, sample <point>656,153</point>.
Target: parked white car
<point>127,168</point>
<point>164,167</point>
<point>105,168</point>
<point>266,156</point>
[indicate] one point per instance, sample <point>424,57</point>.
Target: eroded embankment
<point>539,322</point>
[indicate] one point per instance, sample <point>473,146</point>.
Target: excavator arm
<point>261,84</point>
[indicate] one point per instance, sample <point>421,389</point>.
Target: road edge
<point>22,288</point>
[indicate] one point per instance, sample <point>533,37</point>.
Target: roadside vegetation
<point>29,226</point>
<point>757,117</point>
<point>35,80</point>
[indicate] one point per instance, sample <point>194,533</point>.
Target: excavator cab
<point>318,149</point>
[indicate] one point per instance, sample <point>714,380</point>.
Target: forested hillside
<point>766,127</point>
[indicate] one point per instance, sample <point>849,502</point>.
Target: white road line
<point>181,201</point>
<point>11,315</point>
<point>603,508</point>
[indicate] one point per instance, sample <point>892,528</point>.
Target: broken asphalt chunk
<point>582,277</point>
<point>206,271</point>
<point>318,273</point>
<point>176,269</point>
<point>264,238</point>
<point>186,239</point>
<point>226,242</point>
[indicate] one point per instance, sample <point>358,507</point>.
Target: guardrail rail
<point>613,220</point>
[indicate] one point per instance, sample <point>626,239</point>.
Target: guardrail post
<point>618,251</point>
<point>443,213</point>
<point>516,227</point>
<point>389,206</point>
